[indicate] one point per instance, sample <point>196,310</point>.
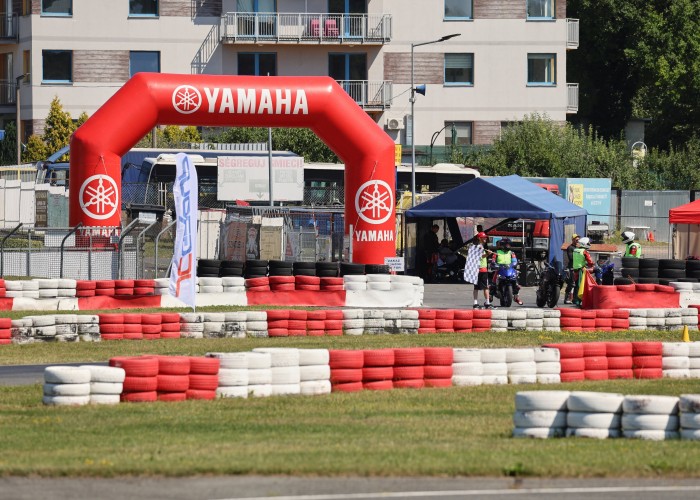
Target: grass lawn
<point>432,432</point>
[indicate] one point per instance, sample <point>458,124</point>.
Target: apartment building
<point>508,61</point>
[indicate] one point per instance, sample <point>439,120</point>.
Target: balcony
<point>9,29</point>
<point>351,29</point>
<point>572,33</point>
<point>572,98</point>
<point>369,95</point>
<point>8,95</point>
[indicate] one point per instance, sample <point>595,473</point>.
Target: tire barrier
<point>545,414</point>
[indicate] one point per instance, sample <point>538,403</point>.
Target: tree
<point>172,136</point>
<point>81,119</point>
<point>36,150</point>
<point>8,146</point>
<point>59,127</point>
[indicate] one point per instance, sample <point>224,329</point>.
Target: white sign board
<point>247,178</point>
<point>394,263</point>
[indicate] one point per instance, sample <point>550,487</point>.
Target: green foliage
<point>8,146</point>
<point>171,136</point>
<point>81,119</point>
<point>59,127</point>
<point>36,150</point>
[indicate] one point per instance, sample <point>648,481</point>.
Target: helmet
<point>628,237</point>
<point>505,242</point>
<point>481,235</point>
<point>584,242</point>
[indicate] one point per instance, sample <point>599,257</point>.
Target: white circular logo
<point>186,99</point>
<point>98,197</point>
<point>374,201</point>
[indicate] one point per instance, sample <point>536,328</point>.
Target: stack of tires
<point>671,270</point>
<point>648,271</point>
<point>255,268</point>
<point>280,268</point>
<point>231,268</point>
<point>208,268</point>
<point>692,269</point>
<point>327,269</point>
<point>351,269</point>
<point>304,268</point>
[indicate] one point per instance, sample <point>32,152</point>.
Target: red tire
<point>408,372</point>
<point>315,333</point>
<point>297,315</point>
<point>620,363</point>
<point>278,332</point>
<point>333,324</point>
<point>151,319</point>
<point>151,336</point>
<point>172,396</point>
<point>464,314</point>
<point>200,394</point>
<point>647,348</point>
<point>316,324</point>
<point>346,375</point>
<point>296,324</point>
<point>647,362</point>
<point>601,323</point>
<point>144,283</point>
<point>334,333</point>
<point>427,323</point>
<point>594,349</point>
<point>277,314</point>
<point>278,323</point>
<point>462,324</point>
<point>173,365</point>
<point>170,327</point>
<point>140,384</point>
<point>588,325</point>
<point>85,285</point>
<point>570,322</point>
<point>438,382</point>
<point>570,313</point>
<point>444,325</point>
<point>618,349</point>
<point>596,374</point>
<point>604,313</point>
<point>123,283</point>
<point>664,289</point>
<point>111,319</point>
<point>85,293</point>
<point>568,350</point>
<point>595,363</point>
<point>317,315</point>
<point>409,356</point>
<point>279,280</point>
<point>350,387</point>
<point>307,288</point>
<point>5,341</point>
<point>112,336</point>
<point>439,356</point>
<point>437,371</point>
<point>445,314</point>
<point>378,385</point>
<point>620,324</point>
<point>295,332</point>
<point>588,313</point>
<point>136,366</point>
<point>334,314</point>
<point>482,314</point>
<point>124,292</point>
<point>379,357</point>
<point>621,313</point>
<point>132,319</point>
<point>264,288</point>
<point>647,373</point>
<point>133,336</point>
<point>5,323</point>
<point>426,314</point>
<point>200,365</point>
<point>342,359</point>
<point>104,292</point>
<point>307,280</point>
<point>377,373</point>
<point>173,383</point>
<point>620,374</point>
<point>256,282</point>
<point>409,384</point>
<point>104,284</point>
<point>112,328</point>
<point>427,331</point>
<point>572,376</point>
<point>328,281</point>
<point>151,329</point>
<point>282,287</point>
<point>203,382</point>
<point>170,335</point>
<point>572,364</point>
<point>139,397</point>
<point>170,317</point>
<point>5,333</point>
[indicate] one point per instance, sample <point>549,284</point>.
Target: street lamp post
<point>19,122</point>
<point>413,115</point>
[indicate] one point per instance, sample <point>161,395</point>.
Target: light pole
<point>413,114</point>
<point>19,122</point>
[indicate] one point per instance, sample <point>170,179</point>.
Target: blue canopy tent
<point>510,197</point>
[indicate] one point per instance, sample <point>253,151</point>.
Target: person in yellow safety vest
<point>582,260</point>
<point>504,257</point>
<point>632,249</point>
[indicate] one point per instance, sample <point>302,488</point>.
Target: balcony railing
<point>8,96</point>
<point>572,33</point>
<point>9,28</point>
<point>572,98</point>
<point>369,94</point>
<point>305,27</point>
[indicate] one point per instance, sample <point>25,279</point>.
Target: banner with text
<point>247,178</point>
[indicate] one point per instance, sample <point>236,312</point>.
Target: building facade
<point>508,61</point>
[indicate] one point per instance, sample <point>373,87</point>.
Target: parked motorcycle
<point>551,282</point>
<point>604,275</point>
<point>505,279</point>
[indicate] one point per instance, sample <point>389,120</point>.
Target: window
<point>57,66</point>
<point>27,66</point>
<point>145,8</point>
<point>541,69</point>
<point>540,9</point>
<point>256,6</point>
<point>56,7</point>
<point>458,133</point>
<point>257,63</point>
<point>144,62</point>
<point>459,69</point>
<point>458,9</point>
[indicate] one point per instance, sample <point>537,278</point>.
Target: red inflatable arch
<point>318,103</point>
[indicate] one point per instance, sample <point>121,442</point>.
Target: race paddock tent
<point>685,230</point>
<point>510,197</point>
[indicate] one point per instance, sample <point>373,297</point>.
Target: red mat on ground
<point>610,297</point>
<point>127,302</point>
<point>297,298</point>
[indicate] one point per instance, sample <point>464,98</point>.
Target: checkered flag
<point>471,267</point>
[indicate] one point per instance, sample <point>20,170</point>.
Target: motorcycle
<point>551,282</point>
<point>505,279</point>
<point>604,275</point>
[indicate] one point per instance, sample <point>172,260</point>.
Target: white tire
<point>373,314</point>
<point>391,314</point>
<point>595,402</point>
<point>211,289</point>
<point>236,316</point>
<point>353,324</point>
<point>30,294</point>
<point>315,387</point>
<point>656,323</point>
<point>374,323</point>
<point>689,320</point>
<point>690,420</point>
<point>285,375</point>
<point>191,318</point>
<point>500,314</point>
<point>649,422</point>
<point>539,432</point>
<point>517,314</point>
<point>634,321</point>
<point>48,293</point>
<point>214,317</point>
<point>259,376</point>
<point>674,321</point>
<point>66,292</point>
<point>162,282</point>
<point>500,323</point>
<point>548,368</point>
<point>678,374</point>
<point>522,379</point>
<point>30,285</point>
<point>651,435</point>
<point>694,363</point>
<point>286,389</point>
<point>256,316</point>
<point>13,286</point>
<point>675,362</point>
<point>593,420</point>
<point>355,278</point>
<point>593,433</point>
<point>281,356</point>
<point>233,281</point>
<point>694,349</point>
<point>534,313</point>
<point>519,355</point>
<point>89,329</point>
<point>66,319</point>
<point>690,434</point>
<point>672,313</point>
<point>260,390</point>
<point>498,369</point>
<point>39,321</point>
<point>467,369</point>
<point>493,355</point>
<point>494,379</point>
<point>519,324</point>
<point>466,380</point>
<point>45,331</point>
<point>467,355</point>
<point>232,392</point>
<point>192,327</point>
<point>689,403</point>
<point>551,322</point>
<point>209,282</point>
<point>259,360</point>
<point>191,335</point>
<point>355,286</point>
<point>87,319</point>
<point>104,399</point>
<point>353,314</point>
<point>694,372</point>
<point>541,400</point>
<point>233,377</point>
<point>547,378</point>
<point>314,372</point>
<point>378,278</point>
<point>552,313</point>
<point>659,405</point>
<point>378,285</point>
<point>546,355</point>
<point>230,360</point>
<point>534,324</point>
<point>99,373</point>
<point>66,389</point>
<point>409,314</point>
<point>256,326</point>
<point>67,283</point>
<point>213,328</point>
<point>66,400</point>
<point>14,293</point>
<point>66,375</point>
<point>656,313</point>
<point>522,368</point>
<point>47,283</point>
<point>109,388</point>
<point>539,418</point>
<point>63,330</point>
<point>354,331</point>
